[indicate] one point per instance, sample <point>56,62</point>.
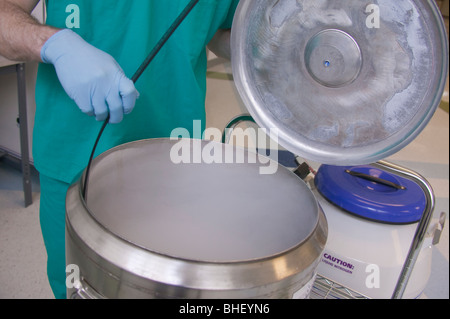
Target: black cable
<point>136,76</point>
<point>164,39</point>
<point>88,168</point>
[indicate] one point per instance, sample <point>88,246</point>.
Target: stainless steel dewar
<point>152,228</point>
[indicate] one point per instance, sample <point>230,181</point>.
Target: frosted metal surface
<point>346,82</point>
<point>206,212</point>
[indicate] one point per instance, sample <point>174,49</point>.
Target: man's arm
<point>220,44</point>
<point>21,35</point>
<point>91,77</point>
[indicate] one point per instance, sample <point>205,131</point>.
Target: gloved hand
<point>91,77</point>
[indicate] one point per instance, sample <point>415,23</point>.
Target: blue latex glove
<point>91,77</point>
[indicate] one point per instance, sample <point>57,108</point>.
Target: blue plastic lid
<point>372,193</point>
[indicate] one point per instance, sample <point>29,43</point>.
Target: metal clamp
<point>437,232</point>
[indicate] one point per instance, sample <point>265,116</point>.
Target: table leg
<point>21,85</point>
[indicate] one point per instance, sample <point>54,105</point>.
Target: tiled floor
<point>22,254</point>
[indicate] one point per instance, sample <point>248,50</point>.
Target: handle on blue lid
<point>375,179</point>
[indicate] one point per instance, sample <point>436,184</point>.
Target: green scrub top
<point>172,89</point>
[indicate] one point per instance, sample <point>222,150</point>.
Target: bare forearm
<point>21,35</point>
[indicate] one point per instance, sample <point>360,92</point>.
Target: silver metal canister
<point>157,226</point>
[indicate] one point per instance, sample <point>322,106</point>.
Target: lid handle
<point>375,179</point>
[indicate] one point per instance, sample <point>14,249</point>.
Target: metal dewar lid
<point>208,212</point>
<point>345,82</point>
<point>372,193</point>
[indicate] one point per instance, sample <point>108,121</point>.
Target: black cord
<point>88,168</point>
<point>164,39</point>
<point>136,76</point>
